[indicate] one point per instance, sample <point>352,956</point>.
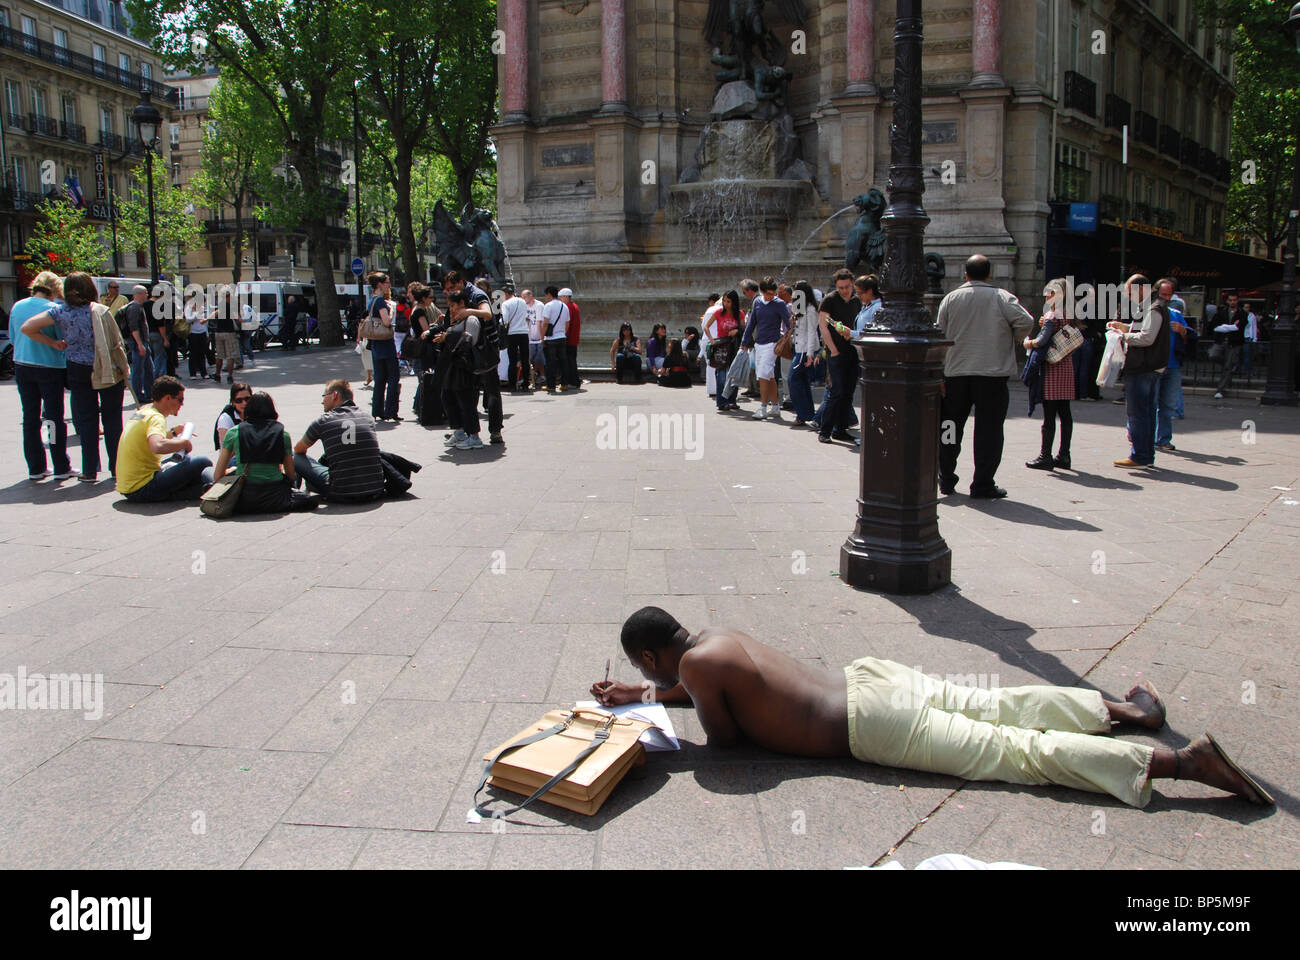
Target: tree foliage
<point>63,242</point>
<point>1265,116</point>
<point>174,207</point>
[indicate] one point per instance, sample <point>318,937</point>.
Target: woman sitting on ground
<point>691,347</point>
<point>657,349</point>
<point>625,354</point>
<point>266,460</point>
<point>232,413</point>
<point>677,368</point>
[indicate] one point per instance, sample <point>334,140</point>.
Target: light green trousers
<point>899,717</point>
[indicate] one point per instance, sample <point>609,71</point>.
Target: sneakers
<point>38,476</point>
<point>88,477</point>
<point>761,412</point>
<point>65,475</point>
<point>496,438</point>
<point>1218,396</point>
<point>452,439</point>
<point>775,413</point>
<point>470,443</point>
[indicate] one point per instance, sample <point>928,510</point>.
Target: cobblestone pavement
<point>316,689</point>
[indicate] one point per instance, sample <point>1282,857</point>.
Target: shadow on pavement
<point>1095,481</point>
<point>1017,511</point>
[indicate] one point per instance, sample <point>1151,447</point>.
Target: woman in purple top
<point>74,321</point>
<point>656,349</point>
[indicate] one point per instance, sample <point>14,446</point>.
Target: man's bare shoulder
<point>717,646</point>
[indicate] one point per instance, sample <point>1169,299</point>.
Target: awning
<point>1188,263</point>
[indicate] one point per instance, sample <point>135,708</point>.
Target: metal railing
<point>1080,93</point>
<point>87,66</point>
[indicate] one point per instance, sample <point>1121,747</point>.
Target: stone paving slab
<point>358,661</point>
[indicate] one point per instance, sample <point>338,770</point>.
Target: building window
<point>1073,180</point>
<point>69,109</point>
<point>38,103</point>
<point>19,174</point>
<point>124,63</point>
<point>13,100</point>
<point>29,36</point>
<point>61,46</point>
<point>4,18</point>
<point>100,56</point>
<point>146,70</point>
<point>175,130</point>
<point>105,120</point>
<point>1198,224</point>
<point>219,253</point>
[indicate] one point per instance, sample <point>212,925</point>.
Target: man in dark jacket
<point>1145,361</point>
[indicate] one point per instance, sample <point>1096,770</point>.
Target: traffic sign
<point>358,266</point>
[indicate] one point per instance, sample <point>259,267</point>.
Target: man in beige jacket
<point>985,323</point>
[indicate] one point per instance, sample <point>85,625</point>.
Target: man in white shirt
<point>536,355</point>
<point>555,322</point>
<point>514,323</point>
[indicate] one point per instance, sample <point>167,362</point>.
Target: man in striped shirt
<point>354,473</point>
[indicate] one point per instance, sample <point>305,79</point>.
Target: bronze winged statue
<point>745,47</point>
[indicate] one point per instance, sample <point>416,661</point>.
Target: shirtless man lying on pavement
<point>882,712</point>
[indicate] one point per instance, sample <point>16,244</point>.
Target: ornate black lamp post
<point>1280,390</point>
<point>147,120</point>
<point>895,546</point>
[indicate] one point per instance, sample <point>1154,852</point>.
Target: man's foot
<point>821,439</point>
<point>993,493</point>
<point>1149,709</point>
<point>1131,464</point>
<point>471,442</point>
<point>761,412</point>
<point>495,438</point>
<point>1167,447</point>
<point>88,477</point>
<point>948,486</point>
<point>1062,462</point>
<point>1204,761</point>
<point>454,438</point>
<point>1041,462</point>
<point>64,475</point>
<point>38,476</point>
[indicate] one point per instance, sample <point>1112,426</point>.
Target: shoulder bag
<point>374,328</point>
<point>220,499</point>
<point>1064,342</point>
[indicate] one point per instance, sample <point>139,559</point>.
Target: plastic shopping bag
<point>1112,360</point>
<point>738,373</point>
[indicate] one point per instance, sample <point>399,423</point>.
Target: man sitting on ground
<point>882,712</point>
<point>354,474</point>
<point>141,474</point>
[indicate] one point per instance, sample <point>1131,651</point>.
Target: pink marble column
<point>862,47</point>
<point>515,104</point>
<point>986,44</point>
<point>613,52</point>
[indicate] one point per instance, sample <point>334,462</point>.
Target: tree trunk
<point>327,301</point>
<point>464,184</point>
<point>236,269</point>
<point>405,230</point>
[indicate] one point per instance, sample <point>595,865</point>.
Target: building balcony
<point>16,121</point>
<point>1080,94</point>
<point>1118,111</point>
<point>19,201</point>
<point>46,51</point>
<point>72,131</point>
<point>338,234</point>
<point>1146,129</point>
<point>110,141</point>
<point>1224,171</point>
<point>230,225</point>
<point>1190,153</point>
<point>1169,140</point>
<point>1207,161</point>
<point>46,126</point>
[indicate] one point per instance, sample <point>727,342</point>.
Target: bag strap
<point>601,735</point>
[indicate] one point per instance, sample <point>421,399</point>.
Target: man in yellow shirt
<point>113,298</point>
<point>141,477</point>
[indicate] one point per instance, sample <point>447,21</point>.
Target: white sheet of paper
<point>188,432</point>
<point>660,737</point>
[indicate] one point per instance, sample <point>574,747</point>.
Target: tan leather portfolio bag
<point>569,758</point>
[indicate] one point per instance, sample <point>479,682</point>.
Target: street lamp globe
<point>147,119</point>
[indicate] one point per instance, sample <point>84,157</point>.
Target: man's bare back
<point>742,688</point>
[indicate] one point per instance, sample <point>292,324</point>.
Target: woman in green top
<point>265,458</point>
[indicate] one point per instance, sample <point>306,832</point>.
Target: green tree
<point>236,156</point>
<point>301,60</point>
<point>1265,116</point>
<point>177,230</point>
<point>63,242</point>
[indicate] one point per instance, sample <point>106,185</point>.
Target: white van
<point>265,301</point>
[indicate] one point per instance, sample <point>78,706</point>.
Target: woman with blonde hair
<point>39,370</point>
<point>1058,381</point>
<point>95,363</point>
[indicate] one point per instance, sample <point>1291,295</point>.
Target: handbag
<point>723,352</point>
<point>373,328</point>
<point>220,499</point>
<point>785,346</point>
<point>570,758</point>
<point>1065,341</point>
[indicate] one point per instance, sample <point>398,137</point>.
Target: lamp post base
<point>895,546</point>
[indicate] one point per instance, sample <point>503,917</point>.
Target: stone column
<point>514,106</point>
<point>986,44</point>
<point>613,51</point>
<point>862,47</point>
